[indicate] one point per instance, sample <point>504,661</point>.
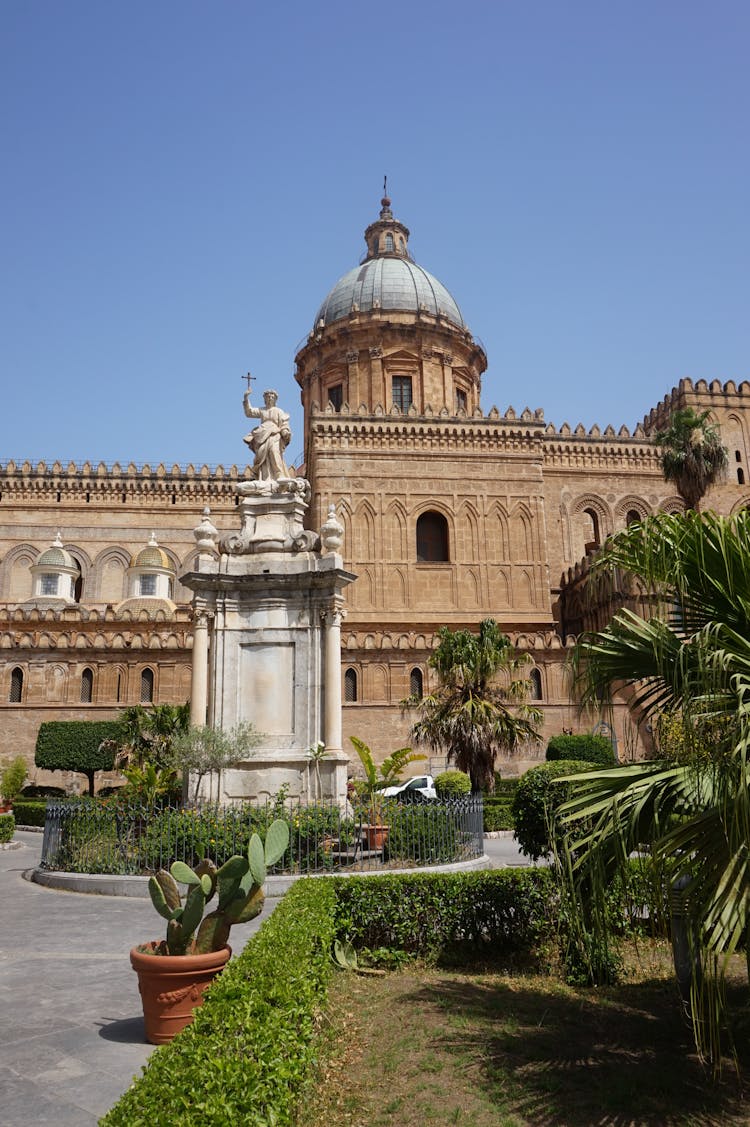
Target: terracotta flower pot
<point>375,835</point>
<point>172,987</point>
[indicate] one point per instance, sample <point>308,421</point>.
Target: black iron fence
<point>89,836</point>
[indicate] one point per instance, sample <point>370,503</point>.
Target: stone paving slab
<point>72,1035</point>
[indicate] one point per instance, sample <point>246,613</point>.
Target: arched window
<point>76,584</point>
<point>535,679</point>
<point>389,241</point>
<point>16,686</point>
<point>594,539</point>
<point>119,687</point>
<point>737,456</point>
<point>148,584</point>
<point>147,686</point>
<point>87,686</point>
<point>350,686</point>
<point>416,683</point>
<point>432,538</point>
<point>632,517</point>
<point>740,476</point>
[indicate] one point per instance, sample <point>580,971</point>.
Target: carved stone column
<point>332,720</point>
<point>199,678</point>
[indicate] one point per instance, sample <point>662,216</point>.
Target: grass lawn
<point>481,1048</point>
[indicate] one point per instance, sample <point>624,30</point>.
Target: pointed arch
<point>522,534</point>
<point>395,537</point>
<point>16,583</point>
<point>499,588</point>
<point>363,532</point>
<point>469,526</point>
<point>108,575</point>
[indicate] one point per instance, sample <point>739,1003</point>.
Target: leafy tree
<point>479,707</point>
<point>144,748</point>
<point>205,751</point>
<point>692,456</point>
<point>77,745</point>
<point>690,660</point>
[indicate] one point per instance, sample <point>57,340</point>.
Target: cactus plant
<point>238,885</point>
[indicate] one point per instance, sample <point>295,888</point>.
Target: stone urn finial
<point>205,533</point>
<point>332,532</point>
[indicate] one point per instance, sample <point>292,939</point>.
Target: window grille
<point>350,686</point>
<point>87,686</point>
<point>147,686</point>
<point>16,686</point>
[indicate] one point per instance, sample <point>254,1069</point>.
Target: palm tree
<point>692,456</point>
<point>690,660</point>
<point>470,716</point>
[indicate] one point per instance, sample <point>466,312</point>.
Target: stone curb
<point>104,884</point>
<point>6,845</point>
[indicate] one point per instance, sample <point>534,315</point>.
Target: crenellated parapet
<point>701,395</point>
<point>368,430</point>
<point>192,483</point>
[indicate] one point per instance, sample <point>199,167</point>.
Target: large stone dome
<point>389,279</point>
<point>388,284</point>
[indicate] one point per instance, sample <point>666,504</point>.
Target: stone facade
<point>452,512</point>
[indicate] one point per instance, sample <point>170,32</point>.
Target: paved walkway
<point>71,1026</point>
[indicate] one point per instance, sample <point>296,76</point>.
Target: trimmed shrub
<point>448,784</point>
<point>76,745</point>
<point>586,748</point>
<point>511,911</point>
<point>29,812</point>
<point>251,1048</point>
<point>7,828</point>
<point>425,835</point>
<point>498,814</point>
<point>537,798</point>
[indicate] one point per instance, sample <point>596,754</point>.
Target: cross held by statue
<point>250,379</point>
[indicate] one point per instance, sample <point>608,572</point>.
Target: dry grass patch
<point>488,1049</point>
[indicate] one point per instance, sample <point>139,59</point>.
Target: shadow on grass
<point>561,1057</point>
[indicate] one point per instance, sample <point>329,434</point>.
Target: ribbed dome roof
<point>56,556</point>
<point>151,556</point>
<point>388,279</point>
<point>388,283</point>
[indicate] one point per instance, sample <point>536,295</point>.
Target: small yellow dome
<point>151,556</point>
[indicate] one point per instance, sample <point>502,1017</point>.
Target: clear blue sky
<point>183,182</point>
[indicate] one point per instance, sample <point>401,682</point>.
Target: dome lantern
<point>55,574</point>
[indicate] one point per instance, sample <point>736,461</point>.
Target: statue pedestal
<point>274,603</point>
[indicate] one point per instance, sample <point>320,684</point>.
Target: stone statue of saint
<point>269,440</point>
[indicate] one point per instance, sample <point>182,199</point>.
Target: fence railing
<point>128,839</point>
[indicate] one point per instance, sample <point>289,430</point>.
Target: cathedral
<point>453,511</point>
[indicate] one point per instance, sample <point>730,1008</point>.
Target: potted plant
<point>375,830</point>
<point>173,973</point>
<point>12,778</point>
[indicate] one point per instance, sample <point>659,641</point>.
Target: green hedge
<point>29,811</point>
<point>75,745</point>
<point>498,814</point>
<point>7,828</point>
<point>510,910</point>
<point>252,1045</point>
<point>587,748</point>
